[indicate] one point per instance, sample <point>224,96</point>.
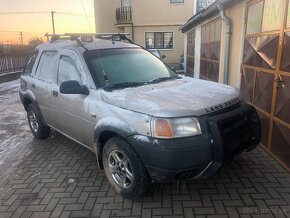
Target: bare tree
<point>35,42</point>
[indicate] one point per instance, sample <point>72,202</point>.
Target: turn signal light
<point>163,128</point>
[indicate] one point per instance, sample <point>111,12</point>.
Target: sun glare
<point>22,21</point>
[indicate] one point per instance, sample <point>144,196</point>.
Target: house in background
<point>246,44</point>
<point>152,23</point>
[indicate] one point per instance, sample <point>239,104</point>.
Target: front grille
<point>238,133</point>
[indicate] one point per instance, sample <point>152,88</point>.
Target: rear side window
<point>46,66</point>
<point>67,70</point>
<point>30,63</point>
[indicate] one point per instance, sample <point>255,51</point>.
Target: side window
<point>46,66</point>
<point>30,63</point>
<point>159,40</point>
<point>68,70</point>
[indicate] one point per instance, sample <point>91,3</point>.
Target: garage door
<point>266,72</point>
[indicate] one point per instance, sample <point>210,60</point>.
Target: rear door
<point>41,85</point>
<point>70,110</point>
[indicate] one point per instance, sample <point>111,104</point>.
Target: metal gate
<point>266,72</point>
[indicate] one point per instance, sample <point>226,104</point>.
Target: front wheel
<point>38,129</point>
<point>124,170</point>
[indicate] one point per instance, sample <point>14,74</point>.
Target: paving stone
<point>36,208</point>
<point>89,204</point>
<point>57,210</point>
<point>40,214</point>
<point>19,211</point>
<point>136,208</point>
<point>161,211</point>
<point>188,213</point>
<point>80,213</point>
<point>204,210</point>
<point>146,213</point>
<point>52,204</point>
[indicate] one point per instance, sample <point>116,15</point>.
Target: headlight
<point>175,128</point>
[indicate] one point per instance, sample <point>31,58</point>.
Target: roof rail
<point>111,34</point>
<point>97,35</point>
<point>114,36</point>
<point>72,36</point>
<point>88,37</point>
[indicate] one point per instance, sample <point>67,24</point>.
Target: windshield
<point>126,66</point>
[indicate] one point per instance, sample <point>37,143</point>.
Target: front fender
<point>110,126</point>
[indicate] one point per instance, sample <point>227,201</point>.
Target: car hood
<point>174,98</point>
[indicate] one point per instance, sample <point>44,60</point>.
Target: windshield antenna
<point>104,72</point>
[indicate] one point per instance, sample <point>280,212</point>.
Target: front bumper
<point>225,136</point>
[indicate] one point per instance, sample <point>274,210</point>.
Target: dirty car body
<point>177,128</point>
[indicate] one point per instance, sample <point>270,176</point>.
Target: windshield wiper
<point>123,85</point>
<point>110,87</point>
<point>162,79</point>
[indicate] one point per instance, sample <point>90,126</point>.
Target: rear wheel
<point>124,170</point>
<point>38,129</point>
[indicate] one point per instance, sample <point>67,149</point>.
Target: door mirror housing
<point>73,87</point>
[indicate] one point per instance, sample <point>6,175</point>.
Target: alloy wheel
<point>33,121</point>
<point>120,169</point>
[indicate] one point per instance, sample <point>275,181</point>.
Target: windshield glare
<point>125,66</point>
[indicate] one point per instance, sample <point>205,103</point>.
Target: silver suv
<point>144,123</point>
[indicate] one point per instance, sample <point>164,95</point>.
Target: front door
<point>70,110</point>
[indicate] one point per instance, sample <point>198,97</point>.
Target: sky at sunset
<point>79,18</point>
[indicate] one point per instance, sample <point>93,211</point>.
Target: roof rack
<point>87,37</point>
<point>80,38</point>
<point>115,37</point>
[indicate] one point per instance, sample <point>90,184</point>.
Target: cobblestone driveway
<point>58,178</point>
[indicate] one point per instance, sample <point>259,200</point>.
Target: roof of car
<point>93,45</point>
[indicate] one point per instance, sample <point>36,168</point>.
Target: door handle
<point>55,93</point>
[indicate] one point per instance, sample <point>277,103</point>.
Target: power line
<point>15,31</point>
<point>73,14</point>
<point>42,12</point>
<point>23,12</point>
<point>84,10</point>
<point>52,13</point>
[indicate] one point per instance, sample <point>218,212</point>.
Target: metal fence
<point>124,14</point>
<point>10,63</point>
<point>13,58</point>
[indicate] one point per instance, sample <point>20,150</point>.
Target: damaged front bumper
<point>225,135</point>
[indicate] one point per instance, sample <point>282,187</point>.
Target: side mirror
<point>73,87</point>
<point>163,56</point>
<point>180,72</point>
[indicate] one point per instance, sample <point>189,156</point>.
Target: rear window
<point>29,65</point>
<point>46,66</point>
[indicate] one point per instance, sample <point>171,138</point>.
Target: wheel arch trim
<point>107,128</point>
<point>28,96</point>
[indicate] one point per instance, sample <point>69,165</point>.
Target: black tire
<point>40,131</point>
<point>140,183</point>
